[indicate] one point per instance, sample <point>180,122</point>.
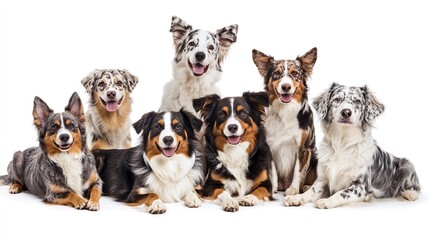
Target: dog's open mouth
<point>168,151</point>
<point>63,147</point>
<point>112,106</point>
<point>286,97</point>
<point>197,68</point>
<point>234,140</point>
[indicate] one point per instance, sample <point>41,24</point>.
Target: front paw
<point>193,201</point>
<point>80,203</point>
<point>293,200</point>
<point>15,188</point>
<point>92,206</point>
<point>157,207</point>
<point>231,205</point>
<point>291,191</point>
<point>249,200</point>
<point>324,203</point>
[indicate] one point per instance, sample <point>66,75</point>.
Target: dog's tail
<point>5,180</point>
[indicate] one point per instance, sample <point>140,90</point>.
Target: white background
<point>47,47</point>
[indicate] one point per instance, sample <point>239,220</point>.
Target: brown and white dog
<point>289,123</point>
<point>108,116</point>
<point>197,64</point>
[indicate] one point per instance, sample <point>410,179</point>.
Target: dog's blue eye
<point>242,113</point>
<point>54,127</point>
<point>178,127</point>
<point>337,100</point>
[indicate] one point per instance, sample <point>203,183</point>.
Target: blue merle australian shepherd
<point>61,170</point>
<point>352,166</point>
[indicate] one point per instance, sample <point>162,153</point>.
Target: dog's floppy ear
<point>41,112</point>
<point>263,62</point>
<point>307,61</point>
<point>75,107</point>
<point>89,81</point>
<point>373,107</point>
<point>205,105</point>
<point>226,36</point>
<point>143,122</point>
<point>257,101</point>
<point>131,79</point>
<point>190,118</point>
<point>321,103</point>
<point>180,30</point>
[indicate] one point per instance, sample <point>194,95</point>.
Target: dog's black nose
<point>200,56</point>
<point>64,137</point>
<point>346,113</point>
<point>286,87</point>
<point>111,94</point>
<point>168,140</point>
<point>233,128</point>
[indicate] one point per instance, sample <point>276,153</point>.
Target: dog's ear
<point>75,107</point>
<point>226,37</point>
<point>41,112</point>
<point>205,105</point>
<point>307,61</point>
<point>143,122</point>
<point>180,30</point>
<point>263,62</point>
<point>131,79</point>
<point>191,119</point>
<point>321,103</point>
<point>257,101</point>
<point>373,107</point>
<point>89,81</point>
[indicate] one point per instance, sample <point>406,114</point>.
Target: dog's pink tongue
<point>286,98</point>
<point>234,140</point>
<point>198,69</point>
<point>168,152</point>
<point>112,106</point>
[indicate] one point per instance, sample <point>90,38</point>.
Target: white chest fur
<point>71,164</point>
<point>172,178</point>
<point>283,135</point>
<point>344,154</point>
<point>236,160</point>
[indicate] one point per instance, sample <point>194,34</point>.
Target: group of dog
<point>233,150</point>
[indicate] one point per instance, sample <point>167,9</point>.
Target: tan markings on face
<point>77,142</point>
<point>51,148</point>
<point>259,179</point>
<point>297,81</point>
<point>226,110</point>
<point>147,200</point>
<point>111,120</point>
<point>250,134</point>
<point>181,141</point>
<point>220,140</point>
<point>151,149</point>
<point>215,194</point>
<point>261,193</point>
<point>277,74</point>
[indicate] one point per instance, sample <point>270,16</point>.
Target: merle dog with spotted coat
<point>352,167</point>
<point>197,65</point>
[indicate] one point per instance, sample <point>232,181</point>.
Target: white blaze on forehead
<point>232,120</point>
<point>285,80</point>
<point>63,130</point>
<point>167,131</point>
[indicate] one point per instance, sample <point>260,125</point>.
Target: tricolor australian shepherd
<point>165,167</point>
<point>351,164</point>
<point>289,123</point>
<point>237,155</point>
<point>61,170</point>
<point>108,116</point>
<point>197,64</point>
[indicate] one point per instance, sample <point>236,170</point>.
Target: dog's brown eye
<point>221,115</point>
<point>337,100</point>
<point>211,47</point>
<point>119,84</point>
<point>178,127</point>
<point>191,44</point>
<point>294,74</point>
<point>101,84</point>
<point>157,127</point>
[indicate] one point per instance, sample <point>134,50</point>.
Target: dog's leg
<point>16,187</point>
<point>296,180</point>
<point>256,197</point>
<point>228,203</point>
<point>274,177</point>
<point>63,196</point>
<point>93,203</point>
<point>358,191</point>
<point>314,193</point>
<point>144,196</point>
<point>192,200</point>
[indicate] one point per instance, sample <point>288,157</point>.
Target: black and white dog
<point>165,167</point>
<point>352,166</point>
<point>197,64</point>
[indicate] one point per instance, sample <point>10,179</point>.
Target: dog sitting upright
<point>108,116</point>
<point>236,152</point>
<point>61,170</point>
<point>165,167</point>
<point>289,123</point>
<point>197,64</point>
<point>351,164</point>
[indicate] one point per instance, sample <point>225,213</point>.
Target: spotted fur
<point>352,167</point>
<point>165,167</point>
<point>108,115</point>
<point>289,123</point>
<point>197,64</point>
<point>61,170</point>
<point>237,155</point>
